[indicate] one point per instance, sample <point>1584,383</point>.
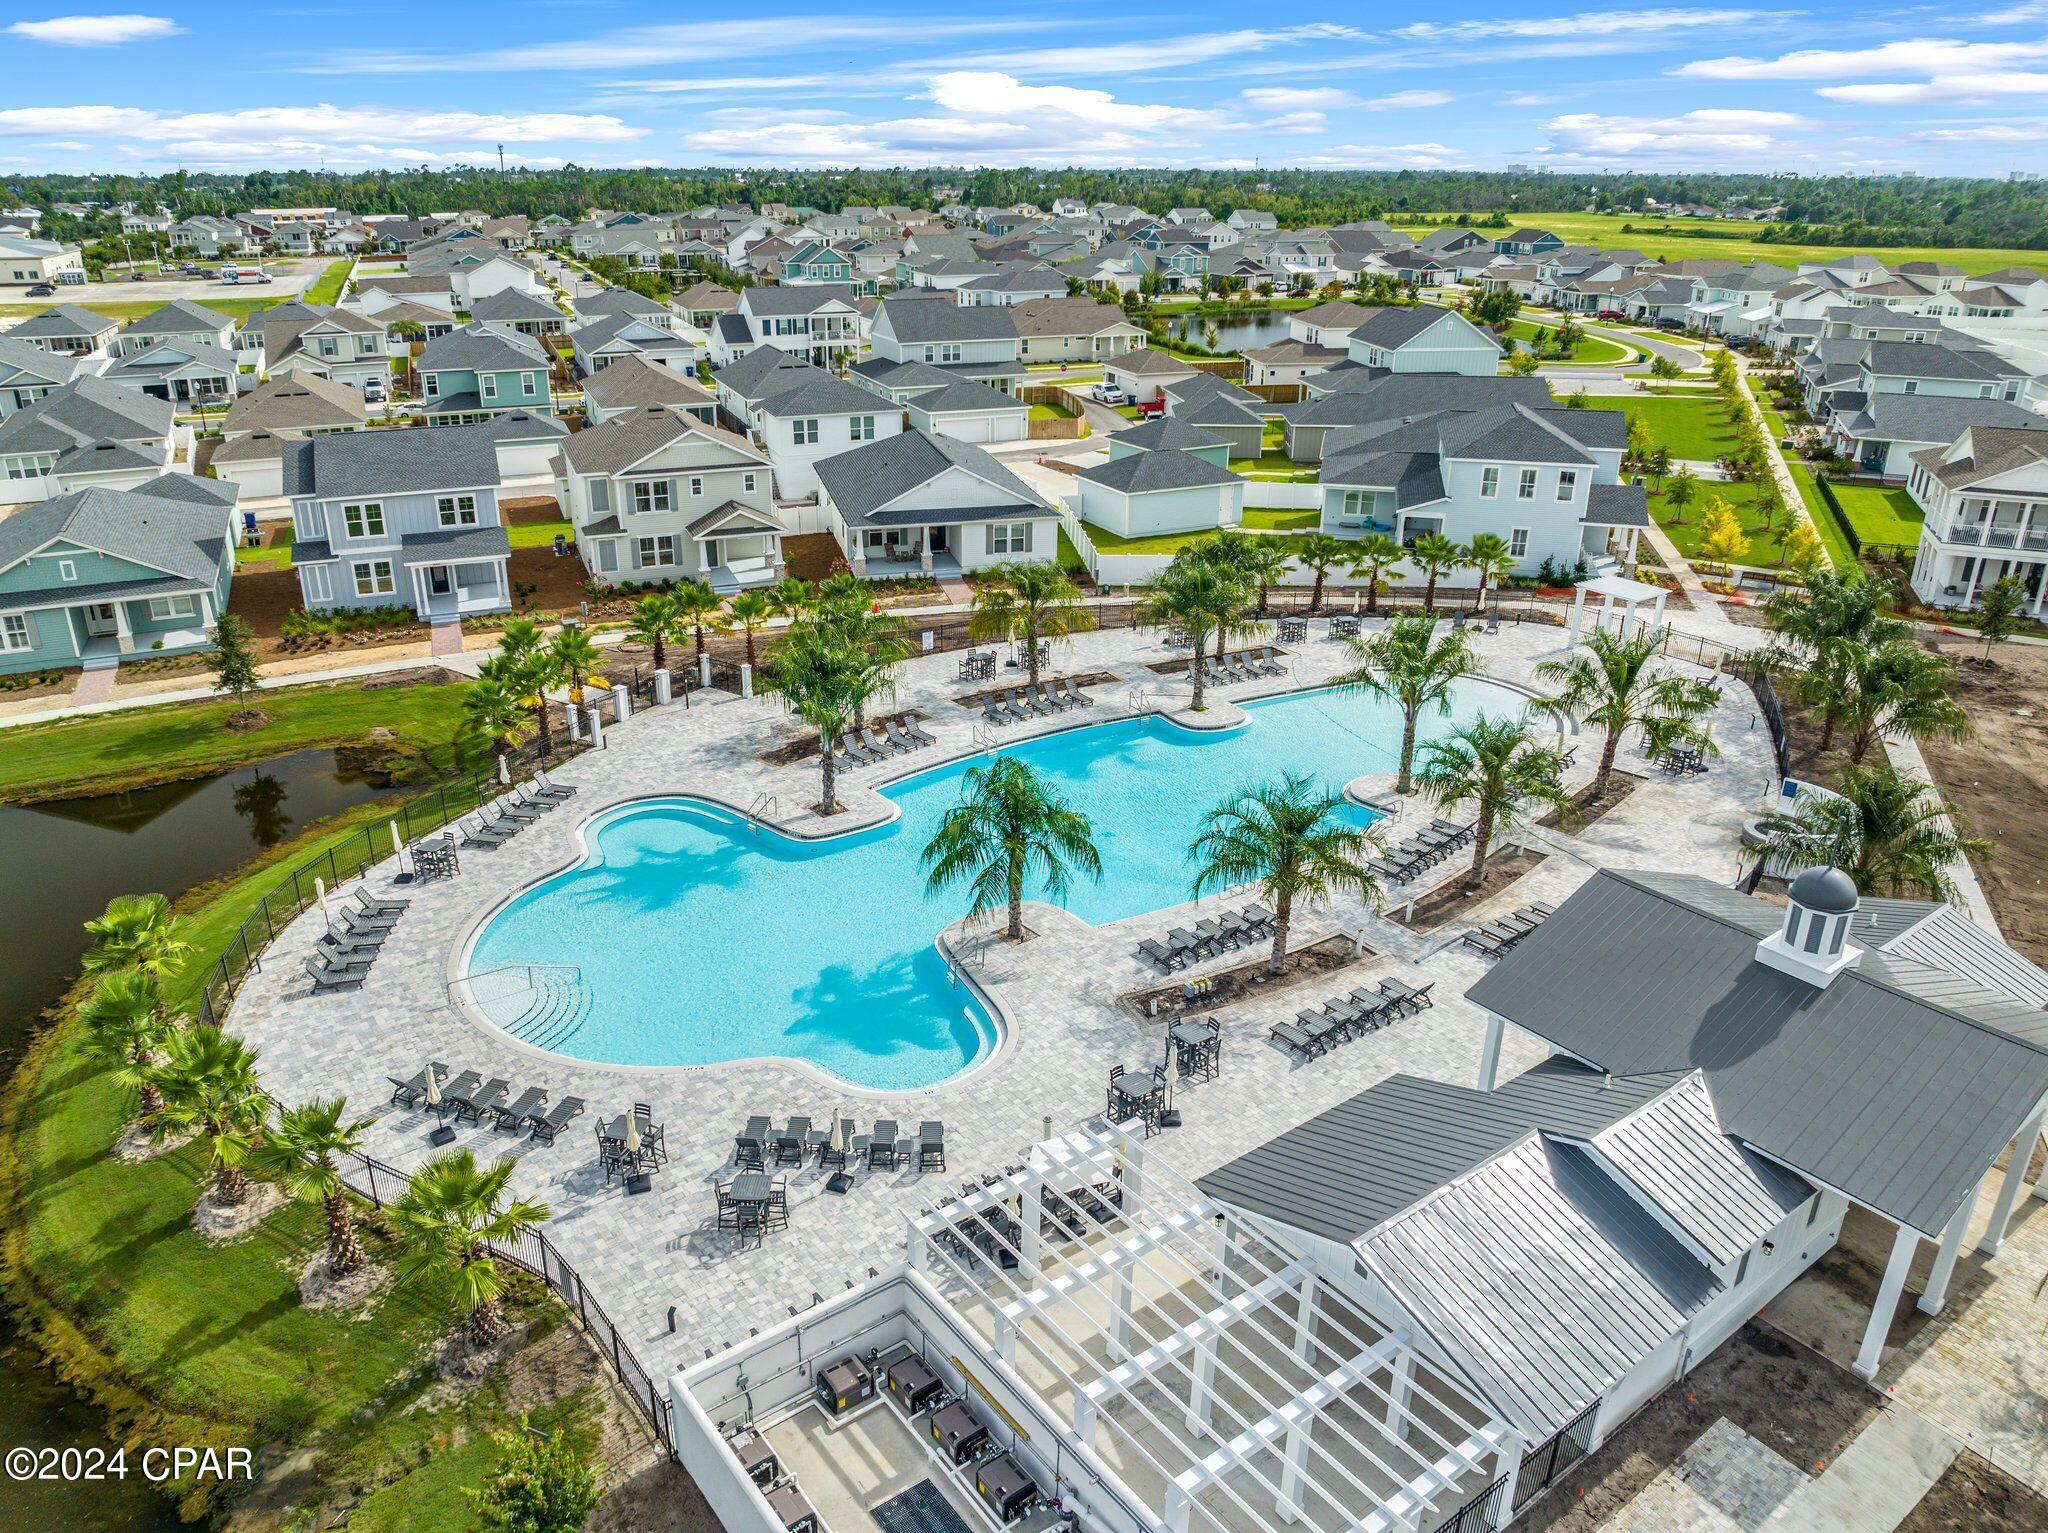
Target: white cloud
<point>1709,135</point>
<point>311,126</point>
<point>1532,98</point>
<point>1156,53</point>
<point>1963,87</point>
<point>1409,101</point>
<point>705,85</point>
<point>1915,56</point>
<point>1591,23</point>
<point>976,93</point>
<point>94,31</point>
<point>1420,156</point>
<point>1989,133</point>
<point>1291,99</point>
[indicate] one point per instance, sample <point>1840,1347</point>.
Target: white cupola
<point>1813,944</point>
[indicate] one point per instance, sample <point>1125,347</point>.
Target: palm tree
<point>138,931</point>
<point>1406,664</point>
<point>1285,837</point>
<point>696,603</point>
<point>1321,553</point>
<point>298,1154</point>
<point>1891,834</point>
<point>655,622</point>
<point>1010,826</point>
<point>494,708</point>
<point>125,1025</point>
<point>1029,602</point>
<point>879,642</point>
<point>1372,557</point>
<point>1615,684</point>
<point>1265,562</point>
<point>1496,765</point>
<point>576,656</point>
<point>747,612</point>
<point>453,1212</point>
<point>208,1081</point>
<point>821,675</point>
<point>1897,689</point>
<point>1491,559</point>
<point>1435,555</point>
<point>1198,597</point>
<point>791,597</point>
<point>1820,633</point>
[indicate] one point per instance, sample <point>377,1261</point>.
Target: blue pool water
<point>690,936</point>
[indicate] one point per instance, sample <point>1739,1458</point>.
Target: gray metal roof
<point>1899,1101</point>
<point>390,462</point>
<point>1944,938</point>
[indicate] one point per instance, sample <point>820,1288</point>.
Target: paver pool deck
<point>1057,995</point>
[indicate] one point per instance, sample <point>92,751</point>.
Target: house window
<point>696,486</point>
<point>526,385</point>
<point>431,383</point>
<point>1489,483</point>
<point>950,352</point>
<point>747,484</point>
<point>651,497</point>
<point>457,510</point>
<point>1009,537</point>
<point>318,581</point>
<point>373,578</point>
<point>14,632</point>
<point>66,570</point>
<point>607,555</point>
<point>1525,488</point>
<point>1518,542</point>
<point>1567,483</point>
<point>804,433</point>
<point>861,428</point>
<point>164,607</point>
<point>661,550</point>
<point>364,521</point>
<point>487,385</point>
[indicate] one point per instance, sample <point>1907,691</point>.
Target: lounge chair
<point>549,788</point>
<point>1050,696</point>
<point>931,1145</point>
<point>483,1102</point>
<point>993,711</point>
<point>1187,942</point>
<point>882,1145</point>
<point>1484,943</point>
<point>1162,955</point>
<point>512,812</point>
<point>371,906</point>
<point>899,736</point>
<point>523,1113</point>
<point>413,1092</point>
<point>346,950</point>
<point>1076,695</point>
<point>1021,704</point>
<point>911,727</point>
<point>523,796</point>
<point>854,751</point>
<point>557,1118</point>
<point>1260,917</point>
<point>356,924</point>
<point>792,1144</point>
<point>1301,1042</point>
<point>476,833</point>
<point>878,747</point>
<point>457,1089</point>
<point>345,976</point>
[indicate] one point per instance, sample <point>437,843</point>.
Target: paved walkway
<point>1707,619</point>
<point>1056,995</point>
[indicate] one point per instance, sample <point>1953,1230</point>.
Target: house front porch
<point>896,553</point>
<point>458,589</point>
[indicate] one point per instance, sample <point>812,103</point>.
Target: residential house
<point>1522,243</point>
<point>96,576</point>
<point>68,330</point>
<point>86,434</point>
<point>1417,268</point>
<point>1060,329</point>
<point>519,313</point>
<point>635,381</point>
<point>280,409</point>
<point>820,324</point>
<point>399,519</point>
<point>331,342</point>
<point>1422,338</point>
<point>1140,372</point>
<point>914,503</point>
<point>1290,361</point>
<point>1984,515</point>
<point>656,494</point>
<point>702,302</point>
<point>1883,436</point>
<point>1138,494</point>
<point>136,220</point>
<point>812,262</point>
<point>1221,408</point>
<point>606,339</point>
<point>475,372</point>
<point>609,301</point>
<point>193,374</point>
<point>969,412</point>
<point>1186,216</point>
<point>1461,252</point>
<point>981,343</point>
<point>29,372</point>
<point>1328,325</point>
<point>741,385</point>
<point>1163,433</point>
<point>26,261</point>
<point>179,320</point>
<point>1012,283</point>
<point>814,416</point>
<point>433,290</point>
<point>1250,220</point>
<point>1547,482</point>
<point>1181,266</point>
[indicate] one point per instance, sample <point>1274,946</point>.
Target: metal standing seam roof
<point>1898,1101</point>
<point>1944,938</point>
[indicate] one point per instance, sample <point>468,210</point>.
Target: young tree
<point>1371,557</point>
<point>1496,765</point>
<point>234,658</point>
<point>298,1153</point>
<point>1265,562</point>
<point>493,711</point>
<point>1522,363</point>
<point>1287,838</point>
<point>1010,826</point>
<point>1804,551</point>
<point>126,1026</point>
<point>1199,597</point>
<point>1891,834</point>
<point>791,597</point>
<point>696,605</point>
<point>1028,603</point>
<point>208,1081</point>
<point>747,612</point>
<point>1435,556</point>
<point>1406,664</point>
<point>1320,553</point>
<point>1664,367</point>
<point>876,638</point>
<point>655,622</point>
<point>1898,690</point>
<point>1679,492</point>
<point>821,675</point>
<point>1721,536</point>
<point>1616,685</point>
<point>138,932</point>
<point>538,1483</point>
<point>452,1213</point>
<point>576,657</point>
<point>1819,630</point>
<point>2001,611</point>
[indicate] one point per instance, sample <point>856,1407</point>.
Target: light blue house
<point>98,576</point>
<point>476,372</point>
<point>814,262</point>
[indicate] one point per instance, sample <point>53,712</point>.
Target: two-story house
<point>520,313</point>
<point>1521,243</point>
<point>29,372</point>
<point>87,434</point>
<point>1546,481</point>
<point>1984,505</point>
<point>475,372</point>
<point>919,504</point>
<point>1011,283</point>
<point>702,302</point>
<point>399,519</point>
<point>981,343</point>
<point>811,263</point>
<point>96,576</point>
<point>179,320</point>
<point>655,494</point>
<point>812,418</point>
<point>818,324</point>
<point>634,381</point>
<point>329,342</point>
<point>610,337</point>
<point>189,373</point>
<point>1422,338</point>
<point>741,386</point>
<point>68,330</point>
<point>609,301</point>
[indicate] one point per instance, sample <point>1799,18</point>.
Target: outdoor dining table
<point>1291,630</point>
<point>1344,627</point>
<point>652,1149</point>
<point>1198,1049</point>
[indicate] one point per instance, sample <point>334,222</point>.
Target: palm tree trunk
<point>698,628</point>
<point>486,1322</point>
<point>1031,651</point>
<point>1406,782</point>
<point>1315,596</point>
<point>1372,592</point>
<point>1195,670</point>
<point>344,1248</point>
<point>750,649</point>
<point>229,1186</point>
<point>1016,932</point>
<point>1262,608</point>
<point>660,654</point>
<point>1429,594</point>
<point>827,804</point>
<point>1606,762</point>
<point>540,722</point>
<point>1827,728</point>
<point>1283,918</point>
<point>1482,836</point>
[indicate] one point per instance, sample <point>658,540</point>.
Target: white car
<point>1106,393</point>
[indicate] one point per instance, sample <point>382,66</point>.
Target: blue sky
<point>1825,87</point>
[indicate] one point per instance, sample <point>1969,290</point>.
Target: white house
<point>26,261</point>
<point>920,504</point>
<point>86,434</point>
<point>1141,372</point>
<point>68,330</point>
<point>186,372</point>
<point>1072,330</point>
<point>179,320</point>
<point>1137,494</point>
<point>1422,338</point>
<point>970,412</point>
<point>611,337</point>
<point>979,343</point>
<point>812,418</point>
<point>29,372</point>
<point>1984,503</point>
<point>819,324</point>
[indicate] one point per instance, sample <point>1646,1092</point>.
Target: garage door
<point>969,428</point>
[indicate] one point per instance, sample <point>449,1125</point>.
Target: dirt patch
<point>1315,962</point>
<point>1998,782</point>
<point>319,1288</point>
<point>423,676</point>
<point>1620,785</point>
<point>1974,1496</point>
<point>1448,903</point>
<point>1789,1398</point>
<point>37,684</point>
<point>242,720</point>
<point>136,1144</point>
<point>812,555</point>
<point>544,582</point>
<point>217,1221</point>
<point>530,510</point>
<point>461,1364</point>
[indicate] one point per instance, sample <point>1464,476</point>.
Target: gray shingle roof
<point>61,321</point>
<point>638,380</point>
<point>763,371</point>
<point>627,438</point>
<point>916,321</point>
<point>476,348</point>
<point>804,298</point>
<point>296,401</point>
<point>509,305</point>
<point>1396,327</point>
<point>1144,361</point>
<point>181,316</point>
<point>1167,433</point>
<point>1139,473</point>
<point>170,533</point>
<point>822,395</point>
<point>1993,450</point>
<point>1933,417</point>
<point>1617,505</point>
<point>961,396</point>
<point>390,462</point>
<point>863,482</point>
<point>617,300</point>
<point>88,409</point>
<point>1919,359</point>
<point>492,542</point>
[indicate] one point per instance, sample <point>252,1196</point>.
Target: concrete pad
<point>1726,1482</point>
<point>1879,1479</point>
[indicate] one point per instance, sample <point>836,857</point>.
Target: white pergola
<point>1223,1378</point>
<point>1613,589</point>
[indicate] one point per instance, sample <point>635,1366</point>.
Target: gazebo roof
<point>1620,588</point>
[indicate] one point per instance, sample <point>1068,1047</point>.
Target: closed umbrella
<point>632,1133</point>
<point>840,1127</point>
<point>433,1088</point>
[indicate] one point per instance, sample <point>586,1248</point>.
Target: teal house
<point>814,261</point>
<point>475,372</point>
<point>99,576</point>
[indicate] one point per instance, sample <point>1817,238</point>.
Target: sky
<point>1827,87</point>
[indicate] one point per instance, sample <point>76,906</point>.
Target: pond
<point>84,851</point>
<point>1244,332</point>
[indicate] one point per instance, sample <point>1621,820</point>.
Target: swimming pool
<point>689,935</point>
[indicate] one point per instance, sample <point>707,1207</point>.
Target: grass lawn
<point>327,287</point>
<point>1272,465</point>
<point>126,310</point>
<point>539,534</point>
<point>1053,412</point>
<point>1054,372</point>
<point>1674,239</point>
<point>1594,350</point>
<point>276,555</point>
<point>1692,428</point>
<point>1265,520</point>
<point>1766,549</point>
<point>1880,513</point>
<point>113,750</point>
<point>1107,542</point>
<point>1068,555</point>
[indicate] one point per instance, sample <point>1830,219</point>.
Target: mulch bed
<point>1318,959</point>
<point>803,746</point>
<point>1443,905</point>
<point>1620,785</point>
<point>974,700</point>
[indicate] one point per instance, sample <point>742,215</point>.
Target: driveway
<point>287,277</point>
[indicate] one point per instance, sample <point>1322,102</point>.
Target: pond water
<point>83,852</point>
<point>1236,333</point>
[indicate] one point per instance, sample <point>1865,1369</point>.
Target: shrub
<point>537,1485</point>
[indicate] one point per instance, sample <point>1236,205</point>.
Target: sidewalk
<point>1707,619</point>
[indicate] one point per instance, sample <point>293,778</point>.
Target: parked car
<point>1152,407</point>
<point>42,290</point>
<point>1106,393</point>
<point>1611,314</point>
<point>373,391</point>
<point>1673,325</point>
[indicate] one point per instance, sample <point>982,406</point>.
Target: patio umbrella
<point>433,1088</point>
<point>632,1133</point>
<point>1172,1071</point>
<point>504,772</point>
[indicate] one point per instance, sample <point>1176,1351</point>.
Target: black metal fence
<point>1542,1465</point>
<point>1479,1515</point>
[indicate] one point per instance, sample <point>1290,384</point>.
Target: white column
<point>574,715</point>
<point>597,729</point>
<point>1120,1298</point>
<point>2015,1178</point>
<point>1578,612</point>
<point>1489,1055</point>
<point>1305,1320</point>
<point>1006,1340</point>
<point>1945,1257</point>
<point>746,679</point>
<point>1178,1505</point>
<point>1400,1392</point>
<point>704,670</point>
<point>1871,1353</point>
<point>1031,1244</point>
<point>1202,1393</point>
<point>1660,607</point>
<point>622,702</point>
<point>663,687</point>
<point>1510,1461</point>
<point>1288,1502</point>
<point>1084,1418</point>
